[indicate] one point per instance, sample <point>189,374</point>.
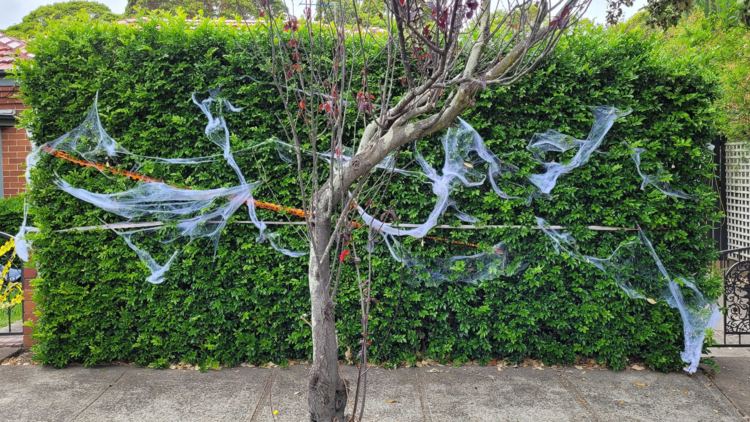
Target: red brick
<point>29,306</point>
<point>28,295</point>
<point>29,274</point>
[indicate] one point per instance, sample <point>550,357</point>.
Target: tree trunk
<point>327,392</point>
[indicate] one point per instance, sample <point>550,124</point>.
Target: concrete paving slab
<point>6,352</point>
<point>650,396</point>
<point>434,394</point>
<point>287,394</point>
<point>35,393</point>
<point>484,394</point>
<point>733,379</point>
<point>12,340</point>
<point>144,394</point>
<point>729,352</point>
<point>392,395</point>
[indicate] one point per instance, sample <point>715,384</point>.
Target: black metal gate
<point>736,301</point>
<point>15,275</point>
<point>733,267</point>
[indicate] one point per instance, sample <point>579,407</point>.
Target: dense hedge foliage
<point>245,303</point>
<point>11,214</point>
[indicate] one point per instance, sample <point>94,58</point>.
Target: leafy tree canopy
<point>714,37</point>
<point>667,13</point>
<point>39,17</point>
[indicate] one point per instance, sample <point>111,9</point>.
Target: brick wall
<point>15,147</point>
<point>14,144</point>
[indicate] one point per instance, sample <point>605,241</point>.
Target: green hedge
<point>11,214</point>
<point>245,303</point>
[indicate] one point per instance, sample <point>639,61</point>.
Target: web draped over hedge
<point>245,304</point>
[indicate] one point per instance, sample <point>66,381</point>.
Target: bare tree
<point>440,55</point>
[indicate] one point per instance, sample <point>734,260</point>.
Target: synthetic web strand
<point>192,213</point>
<point>553,141</point>
<point>470,269</point>
<point>637,269</point>
<point>659,180</point>
<point>460,168</point>
<point>340,156</point>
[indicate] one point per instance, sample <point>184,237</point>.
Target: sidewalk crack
<point>97,397</point>
<point>571,389</point>
<point>421,401</point>
<point>269,381</point>
<point>713,383</point>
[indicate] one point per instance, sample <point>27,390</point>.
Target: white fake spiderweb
<point>192,213</point>
<point>629,265</point>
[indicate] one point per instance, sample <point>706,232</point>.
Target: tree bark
<point>327,391</point>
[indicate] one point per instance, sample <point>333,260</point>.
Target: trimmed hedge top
<point>245,303</point>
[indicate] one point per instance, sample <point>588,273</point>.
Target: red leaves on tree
<point>262,14</point>
<point>343,256</point>
<point>292,43</point>
<point>562,19</point>
<point>364,102</point>
<point>291,25</point>
<point>472,5</point>
<point>442,20</point>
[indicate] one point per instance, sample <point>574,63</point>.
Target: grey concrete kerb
<point>6,352</point>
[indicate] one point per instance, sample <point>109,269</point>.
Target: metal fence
<point>15,275</point>
<point>735,328</point>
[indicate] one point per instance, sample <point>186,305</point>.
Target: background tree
<point>56,11</point>
<point>667,13</point>
<point>370,12</point>
<point>715,35</point>
<point>211,8</point>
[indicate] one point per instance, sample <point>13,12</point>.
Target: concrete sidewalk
<point>434,393</point>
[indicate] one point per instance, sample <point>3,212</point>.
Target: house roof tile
<point>10,49</point>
